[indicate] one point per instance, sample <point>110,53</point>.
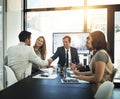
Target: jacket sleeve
<point>75,57</point>
<point>56,54</point>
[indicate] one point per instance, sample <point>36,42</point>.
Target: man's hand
<point>73,66</point>
<point>50,61</point>
<point>76,72</point>
<point>52,67</point>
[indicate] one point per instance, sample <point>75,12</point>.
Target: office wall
<point>14,22</point>
<point>12,25</point>
<point>1,41</point>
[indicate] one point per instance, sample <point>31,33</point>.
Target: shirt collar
<point>67,49</point>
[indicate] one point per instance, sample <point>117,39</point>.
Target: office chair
<point>113,74</point>
<point>105,90</point>
<point>10,77</point>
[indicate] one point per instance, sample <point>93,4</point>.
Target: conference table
<point>35,88</point>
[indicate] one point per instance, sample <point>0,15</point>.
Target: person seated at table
<point>101,66</point>
<point>21,57</point>
<point>62,51</point>
<point>40,50</point>
<point>81,67</point>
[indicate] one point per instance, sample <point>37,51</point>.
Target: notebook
<point>72,80</point>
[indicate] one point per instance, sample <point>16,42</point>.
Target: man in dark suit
<point>62,52</point>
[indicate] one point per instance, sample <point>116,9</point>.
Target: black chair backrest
<point>113,74</point>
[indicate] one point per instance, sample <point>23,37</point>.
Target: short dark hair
<point>24,35</point>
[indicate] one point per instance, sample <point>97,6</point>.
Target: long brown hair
<point>42,48</point>
<point>99,41</point>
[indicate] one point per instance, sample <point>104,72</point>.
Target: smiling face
<point>66,43</point>
<point>39,42</point>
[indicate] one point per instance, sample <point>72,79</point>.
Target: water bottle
<point>64,72</point>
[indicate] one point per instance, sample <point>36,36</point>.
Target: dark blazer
<point>61,54</point>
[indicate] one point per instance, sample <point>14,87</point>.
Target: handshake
<point>49,63</point>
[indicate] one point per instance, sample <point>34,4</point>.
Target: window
<point>103,2</point>
<point>117,39</point>
<point>47,23</point>
<point>53,3</point>
<point>68,16</point>
<point>97,20</point>
<point>1,41</point>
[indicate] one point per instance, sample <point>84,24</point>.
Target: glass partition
<point>117,41</point>
<point>1,41</point>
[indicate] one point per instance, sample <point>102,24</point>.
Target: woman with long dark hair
<point>101,66</point>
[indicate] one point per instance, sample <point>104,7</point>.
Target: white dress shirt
<point>20,59</point>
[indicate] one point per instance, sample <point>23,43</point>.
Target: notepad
<point>72,80</point>
<point>69,81</point>
<point>48,70</point>
<point>42,76</point>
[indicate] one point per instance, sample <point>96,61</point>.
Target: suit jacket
<point>20,59</point>
<point>61,54</point>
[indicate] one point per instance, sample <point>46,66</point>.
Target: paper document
<point>48,70</point>
<point>72,80</point>
<point>41,76</point>
<point>83,81</point>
